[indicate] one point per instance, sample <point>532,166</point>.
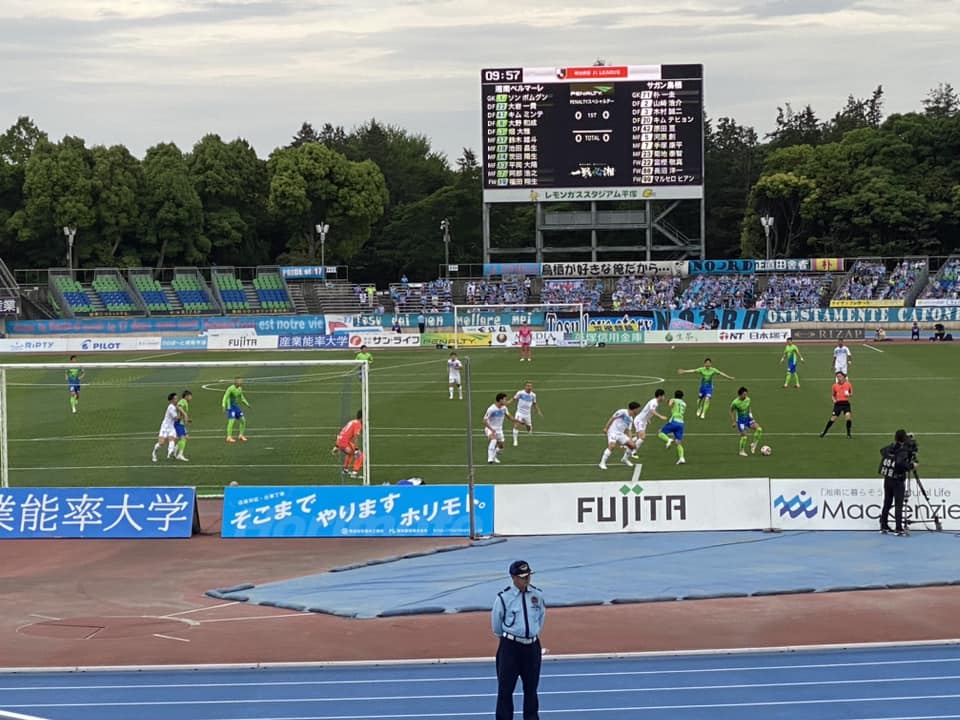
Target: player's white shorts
<point>640,425</point>
<point>496,434</point>
<point>840,368</point>
<point>455,379</point>
<point>525,418</point>
<point>167,430</point>
<point>617,437</point>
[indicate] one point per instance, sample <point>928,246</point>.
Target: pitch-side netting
<point>107,433</point>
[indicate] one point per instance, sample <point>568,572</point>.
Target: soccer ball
<point>765,450</point>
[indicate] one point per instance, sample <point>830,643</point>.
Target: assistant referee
<point>518,615</point>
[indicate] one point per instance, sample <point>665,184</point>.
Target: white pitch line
<point>199,609</point>
<point>44,617</point>
<point>257,617</point>
<point>151,357</point>
<point>169,637</point>
<point>871,347</point>
<point>5,715</point>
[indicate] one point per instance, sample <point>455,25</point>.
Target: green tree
<point>174,214</point>
<point>231,182</point>
<point>19,140</point>
<point>312,183</point>
<point>118,190</point>
<point>780,195</point>
<point>57,192</point>
<point>942,101</point>
<point>305,135</point>
<point>732,164</point>
<point>796,128</point>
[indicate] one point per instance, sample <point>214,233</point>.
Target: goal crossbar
<point>362,365</point>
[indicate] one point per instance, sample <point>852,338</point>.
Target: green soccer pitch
<point>417,431</point>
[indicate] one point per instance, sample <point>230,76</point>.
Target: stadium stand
<point>191,291</point>
<point>873,280</point>
<point>645,293</point>
<point>796,291</point>
<point>511,289</point>
<point>271,291</point>
<point>69,295</point>
<point>588,292</point>
<point>112,290</point>
<point>722,291</point>
<point>231,291</point>
<point>151,292</point>
<point>436,295</point>
<point>946,284</point>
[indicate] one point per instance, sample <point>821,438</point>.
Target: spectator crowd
<point>795,291</point>
<point>573,291</point>
<point>719,291</point>
<point>946,286</point>
<point>645,293</point>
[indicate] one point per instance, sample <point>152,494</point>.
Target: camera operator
<point>897,460</point>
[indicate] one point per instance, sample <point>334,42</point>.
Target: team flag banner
<point>652,268</point>
<point>99,513</point>
<point>371,511</point>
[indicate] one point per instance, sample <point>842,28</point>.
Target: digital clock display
<point>554,133</point>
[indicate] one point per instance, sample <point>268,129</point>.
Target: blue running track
<point>877,683</point>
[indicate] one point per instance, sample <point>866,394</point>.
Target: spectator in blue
<point>403,279</point>
<point>396,326</point>
<point>422,323</point>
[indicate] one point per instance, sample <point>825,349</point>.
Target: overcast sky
<point>138,72</point>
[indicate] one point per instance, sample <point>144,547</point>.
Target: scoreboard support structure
<point>621,144</point>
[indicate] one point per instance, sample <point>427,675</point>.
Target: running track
<point>876,683</point>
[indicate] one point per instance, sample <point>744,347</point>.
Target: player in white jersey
<point>616,429</point>
<point>493,427</point>
<point>526,403</point>
<point>453,374</point>
<point>168,431</point>
<point>647,414</point>
<point>841,358</point>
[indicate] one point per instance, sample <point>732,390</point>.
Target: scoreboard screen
<point>630,132</point>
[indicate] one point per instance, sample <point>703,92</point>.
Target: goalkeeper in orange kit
<point>346,443</point>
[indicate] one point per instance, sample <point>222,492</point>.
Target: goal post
<point>296,408</point>
<point>490,318</point>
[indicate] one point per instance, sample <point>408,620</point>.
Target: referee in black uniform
<point>518,615</point>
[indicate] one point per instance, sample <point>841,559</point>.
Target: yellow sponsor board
<point>460,339</point>
<point>865,303</point>
<point>828,264</point>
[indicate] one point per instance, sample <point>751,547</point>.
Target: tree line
<point>857,183</point>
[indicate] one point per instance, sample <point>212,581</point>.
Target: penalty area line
<point>871,347</point>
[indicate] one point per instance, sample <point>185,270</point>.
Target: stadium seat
<point>190,293</point>
<point>74,294</point>
<point>113,295</point>
<point>272,293</point>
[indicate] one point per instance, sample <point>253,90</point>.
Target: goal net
<point>102,428</point>
<point>552,324</point>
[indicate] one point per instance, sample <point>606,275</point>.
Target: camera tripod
<point>934,517</point>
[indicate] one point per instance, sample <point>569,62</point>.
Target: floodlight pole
<point>322,229</point>
<point>767,222</point>
<point>445,228</point>
<point>70,233</point>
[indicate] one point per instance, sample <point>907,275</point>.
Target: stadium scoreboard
<point>631,132</point>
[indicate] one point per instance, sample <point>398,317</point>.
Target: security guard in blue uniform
<point>518,615</point>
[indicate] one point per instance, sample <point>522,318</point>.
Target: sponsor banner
<point>829,334</point>
<point>432,321</point>
<point>681,337</point>
<point>337,511</point>
<point>865,303</point>
<point>511,269</point>
<point>463,339</point>
<point>8,306</point>
<point>753,336</point>
<point>938,302</point>
<point>384,340</point>
<point>306,272</point>
<point>184,343</point>
<point>693,319</point>
<point>262,324</point>
<point>828,264</point>
<point>614,269</point>
<point>53,345</point>
<point>624,337</point>
<point>506,336</point>
<point>864,316</point>
<point>781,265</point>
<point>722,267</point>
<point>111,512</point>
<point>312,342</point>
<point>617,507</point>
<point>824,504</point>
<point>243,342</point>
<point>663,192</point>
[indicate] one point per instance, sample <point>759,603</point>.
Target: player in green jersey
<point>742,419</point>
<point>233,398</point>
<point>364,355</point>
<point>706,373</point>
<point>180,425</point>
<point>791,353</point>
<point>675,426</point>
<point>74,376</point>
